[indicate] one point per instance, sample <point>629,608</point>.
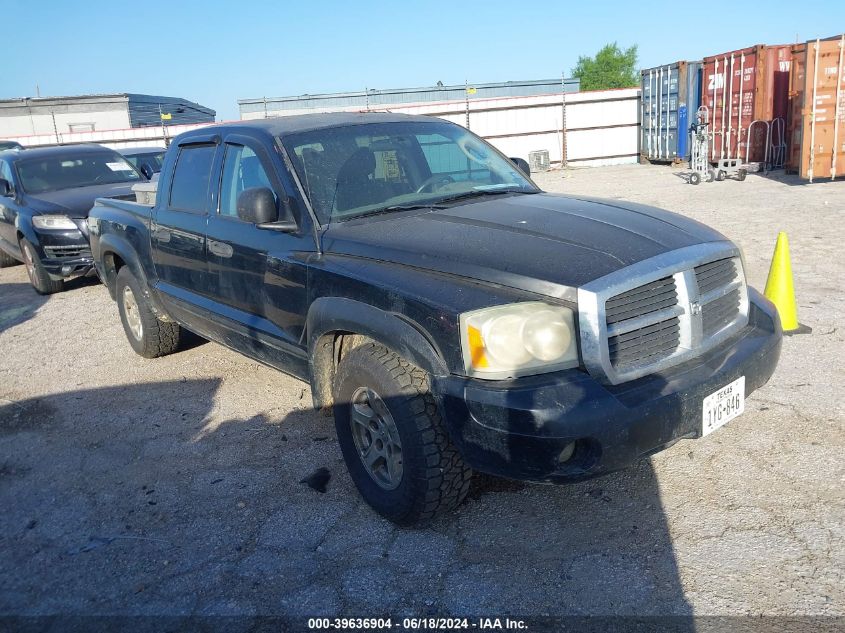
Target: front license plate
<point>723,406</point>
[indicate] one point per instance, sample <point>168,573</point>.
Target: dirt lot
<point>171,486</point>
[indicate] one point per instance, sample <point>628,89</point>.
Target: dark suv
<point>45,196</point>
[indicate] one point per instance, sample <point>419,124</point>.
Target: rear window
<point>189,190</point>
<point>40,175</point>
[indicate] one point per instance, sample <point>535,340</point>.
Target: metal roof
<point>394,96</point>
<point>102,98</point>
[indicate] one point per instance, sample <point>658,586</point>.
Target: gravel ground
<point>171,486</point>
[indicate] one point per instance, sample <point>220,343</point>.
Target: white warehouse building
<point>60,116</point>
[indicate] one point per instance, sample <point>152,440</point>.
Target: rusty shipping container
<point>817,109</point>
<point>746,93</point>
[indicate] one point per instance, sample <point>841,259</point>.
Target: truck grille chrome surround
<point>662,311</point>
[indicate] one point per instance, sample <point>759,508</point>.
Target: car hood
<point>542,243</point>
<point>76,203</point>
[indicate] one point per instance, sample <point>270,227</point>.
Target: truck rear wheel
<point>38,275</point>
<point>393,439</point>
<point>148,335</point>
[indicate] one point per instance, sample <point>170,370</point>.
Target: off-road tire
<point>741,174</point>
<point>38,275</point>
<point>158,338</point>
<point>434,478</point>
<point>7,260</point>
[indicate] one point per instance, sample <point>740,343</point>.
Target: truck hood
<point>542,243</point>
<point>76,203</point>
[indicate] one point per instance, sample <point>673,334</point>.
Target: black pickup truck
<point>450,314</point>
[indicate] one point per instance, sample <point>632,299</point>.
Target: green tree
<point>610,68</point>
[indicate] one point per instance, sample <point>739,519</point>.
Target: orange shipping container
<point>817,109</point>
<point>745,91</point>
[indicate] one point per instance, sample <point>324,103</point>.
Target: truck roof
<point>305,122</point>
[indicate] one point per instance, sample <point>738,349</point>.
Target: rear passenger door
<point>179,225</point>
<point>258,274</point>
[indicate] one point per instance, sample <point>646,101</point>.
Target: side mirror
<point>523,165</point>
<point>257,205</point>
<point>147,171</point>
<point>6,189</point>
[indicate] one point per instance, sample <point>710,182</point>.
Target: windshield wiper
<point>478,193</point>
<point>396,207</point>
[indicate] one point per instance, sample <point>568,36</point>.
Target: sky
<point>215,53</point>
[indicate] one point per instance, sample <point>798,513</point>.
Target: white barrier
<point>602,127</point>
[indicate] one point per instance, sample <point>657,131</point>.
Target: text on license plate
<point>722,406</point>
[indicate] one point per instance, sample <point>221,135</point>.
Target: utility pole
<point>563,144</point>
<point>55,127</point>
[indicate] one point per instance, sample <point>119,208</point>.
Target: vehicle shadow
<point>18,303</point>
<point>143,499</point>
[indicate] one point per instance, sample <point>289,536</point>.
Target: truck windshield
<point>40,175</point>
<point>356,170</point>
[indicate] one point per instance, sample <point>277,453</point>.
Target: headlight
<point>53,222</point>
<point>518,339</point>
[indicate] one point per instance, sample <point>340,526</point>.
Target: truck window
<point>5,171</point>
<point>189,190</point>
<point>445,157</point>
<point>241,170</point>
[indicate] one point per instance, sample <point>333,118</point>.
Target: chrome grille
<point>58,252</point>
<point>645,344</point>
<point>720,312</point>
<point>638,327</point>
<point>651,297</point>
<point>662,311</point>
<point>714,275</point>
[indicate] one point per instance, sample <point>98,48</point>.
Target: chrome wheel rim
<point>133,316</point>
<point>28,261</point>
<point>376,438</point>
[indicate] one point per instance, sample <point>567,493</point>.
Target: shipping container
<point>671,95</point>
<point>817,109</point>
<point>746,93</point>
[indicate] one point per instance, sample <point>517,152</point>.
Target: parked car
<point>450,314</point>
<point>4,145</point>
<point>45,196</point>
<point>147,160</point>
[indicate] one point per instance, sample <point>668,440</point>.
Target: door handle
<point>221,249</point>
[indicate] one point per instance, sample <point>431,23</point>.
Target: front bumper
<point>523,428</point>
<point>65,254</point>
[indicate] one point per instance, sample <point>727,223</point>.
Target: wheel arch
<point>116,252</point>
<point>335,325</point>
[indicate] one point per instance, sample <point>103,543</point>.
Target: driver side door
<point>258,274</point>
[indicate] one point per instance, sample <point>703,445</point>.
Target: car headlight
<point>53,222</point>
<point>518,339</point>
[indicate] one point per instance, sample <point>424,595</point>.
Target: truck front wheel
<point>148,335</point>
<point>392,437</point>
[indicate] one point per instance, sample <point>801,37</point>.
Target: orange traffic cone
<point>780,289</point>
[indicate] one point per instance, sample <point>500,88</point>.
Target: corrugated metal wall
<point>375,99</point>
